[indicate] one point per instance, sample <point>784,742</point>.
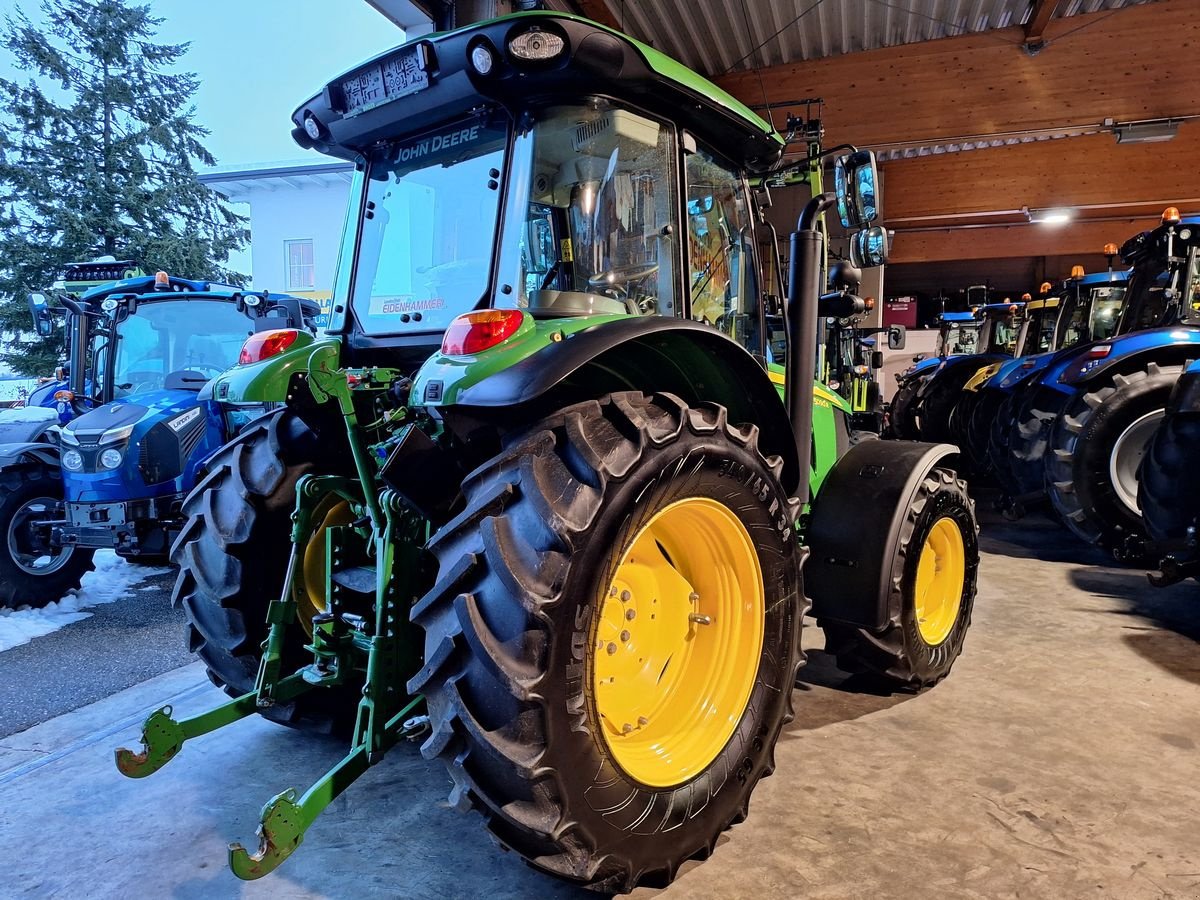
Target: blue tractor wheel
<point>1095,450</point>
<point>1169,490</point>
<point>32,573</point>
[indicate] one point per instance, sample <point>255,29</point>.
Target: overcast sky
<point>257,61</point>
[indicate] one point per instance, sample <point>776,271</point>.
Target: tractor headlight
<point>116,436</point>
<point>72,460</point>
<point>536,45</point>
<point>482,60</point>
<point>66,436</point>
<point>110,458</point>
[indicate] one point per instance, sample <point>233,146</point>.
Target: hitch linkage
<point>386,714</point>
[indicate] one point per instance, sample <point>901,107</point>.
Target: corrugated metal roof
<point>718,36</point>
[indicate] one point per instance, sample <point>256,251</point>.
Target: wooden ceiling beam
<point>1093,172</point>
<point>1039,18</point>
<point>1010,241</point>
<point>1109,66</point>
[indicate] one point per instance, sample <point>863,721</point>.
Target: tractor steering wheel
<point>619,277</point>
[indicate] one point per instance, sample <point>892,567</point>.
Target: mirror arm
<point>832,150</point>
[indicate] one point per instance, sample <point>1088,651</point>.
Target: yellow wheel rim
<point>310,596</point>
<point>940,575</point>
<point>678,640</point>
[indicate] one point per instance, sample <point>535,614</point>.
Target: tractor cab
<point>512,184</point>
<point>1164,287</point>
<point>1041,316</point>
<point>1091,306</point>
<point>1000,325</point>
<point>958,333</point>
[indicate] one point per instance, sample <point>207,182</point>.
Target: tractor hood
<point>156,436</point>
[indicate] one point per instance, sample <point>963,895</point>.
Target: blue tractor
<point>55,393</point>
<point>1084,423</point>
<point>958,332</point>
<point>1169,485</point>
<point>1086,308</point>
<point>138,430</point>
<point>929,414</point>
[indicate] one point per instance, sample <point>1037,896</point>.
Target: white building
<point>296,215</point>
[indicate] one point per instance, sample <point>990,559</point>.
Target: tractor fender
<point>26,424</point>
<point>655,355</point>
<point>854,528</point>
<point>1185,397</point>
<point>1131,352</point>
<point>962,367</point>
<point>28,451</point>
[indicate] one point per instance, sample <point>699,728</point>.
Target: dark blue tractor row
<point>1082,423</point>
<point>106,460</point>
<point>1086,308</point>
<point>929,389</point>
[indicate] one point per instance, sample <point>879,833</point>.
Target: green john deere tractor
<point>539,492</point>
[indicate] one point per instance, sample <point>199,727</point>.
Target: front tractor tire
<point>932,581</point>
<point>32,574</point>
<point>233,554</point>
<point>613,637</point>
<point>1095,451</point>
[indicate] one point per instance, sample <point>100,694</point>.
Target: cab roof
<point>1117,276</point>
<point>959,317</point>
<point>596,60</point>
<point>180,288</point>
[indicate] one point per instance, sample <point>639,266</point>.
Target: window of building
<point>299,256</point>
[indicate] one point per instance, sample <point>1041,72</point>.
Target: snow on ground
<point>113,579</point>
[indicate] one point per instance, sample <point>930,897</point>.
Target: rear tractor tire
<point>232,555</point>
<point>1095,451</point>
<point>933,579</point>
<point>1169,489</point>
<point>621,571</point>
<point>32,575</point>
<point>901,414</point>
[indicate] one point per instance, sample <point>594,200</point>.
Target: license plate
<point>393,78</point>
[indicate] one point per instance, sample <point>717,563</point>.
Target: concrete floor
<point>1058,761</point>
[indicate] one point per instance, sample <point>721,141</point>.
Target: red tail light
<point>476,331</point>
<point>1099,351</point>
<point>266,344</point>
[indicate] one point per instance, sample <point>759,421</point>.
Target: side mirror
<point>43,319</point>
<point>897,335</point>
<point>854,178</point>
<point>876,359</point>
<point>869,247</point>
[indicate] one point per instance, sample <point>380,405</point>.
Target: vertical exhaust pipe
<point>804,291</point>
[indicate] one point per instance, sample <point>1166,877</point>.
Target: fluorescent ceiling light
<point>1050,216</point>
<point>1153,132</point>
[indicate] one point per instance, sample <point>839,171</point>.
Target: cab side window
<point>722,278</point>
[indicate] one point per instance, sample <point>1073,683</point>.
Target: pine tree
<point>98,150</point>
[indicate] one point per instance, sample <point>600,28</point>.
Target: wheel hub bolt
<point>626,596</point>
<point>624,637</point>
<point>612,591</point>
<point>612,648</point>
<point>630,615</point>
